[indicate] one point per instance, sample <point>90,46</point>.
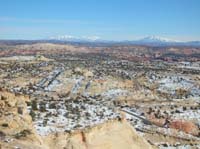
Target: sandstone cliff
<point>111,135</point>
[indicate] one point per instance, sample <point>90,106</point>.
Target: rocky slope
<point>16,131</point>
<point>111,135</point>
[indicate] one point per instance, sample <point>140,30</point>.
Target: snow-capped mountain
<point>160,41</point>
<point>76,39</point>
<point>150,40</point>
<point>156,39</point>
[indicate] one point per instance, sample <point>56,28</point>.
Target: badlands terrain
<point>96,96</point>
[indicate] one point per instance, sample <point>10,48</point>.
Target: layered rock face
<point>16,131</point>
<point>13,113</point>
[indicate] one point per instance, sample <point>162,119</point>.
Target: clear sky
<point>108,19</point>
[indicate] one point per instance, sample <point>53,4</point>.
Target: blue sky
<point>108,19</point>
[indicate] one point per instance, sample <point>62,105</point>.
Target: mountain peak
<point>156,39</point>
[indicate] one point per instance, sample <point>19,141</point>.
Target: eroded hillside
<point>67,96</point>
<point>17,131</point>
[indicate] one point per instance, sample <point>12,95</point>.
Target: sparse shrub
<point>34,105</point>
<point>87,114</point>
<point>66,114</point>
<point>48,114</point>
<point>177,111</point>
<point>42,106</point>
<point>68,131</point>
<point>2,135</point>
<point>165,145</point>
<point>58,106</point>
<point>3,97</point>
<point>45,122</point>
<point>4,125</point>
<point>52,106</point>
<point>23,133</point>
<point>83,107</point>
<point>165,112</point>
<point>78,126</point>
<point>28,103</point>
<point>20,110</point>
<point>32,114</point>
<point>150,111</point>
<point>119,118</point>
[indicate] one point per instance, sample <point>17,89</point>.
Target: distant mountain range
<point>76,39</point>
<point>96,41</point>
<point>155,40</point>
<point>150,40</point>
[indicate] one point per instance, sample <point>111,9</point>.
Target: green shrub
<point>23,133</point>
<point>32,114</point>
<point>42,106</point>
<point>4,125</point>
<point>34,105</point>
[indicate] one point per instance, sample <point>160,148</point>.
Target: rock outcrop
<point>110,135</point>
<point>16,131</point>
<point>185,126</point>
